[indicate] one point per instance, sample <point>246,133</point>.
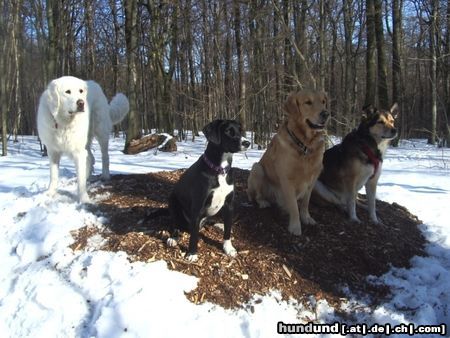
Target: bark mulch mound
<point>331,255</point>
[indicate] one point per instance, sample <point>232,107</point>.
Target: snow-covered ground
<point>47,290</point>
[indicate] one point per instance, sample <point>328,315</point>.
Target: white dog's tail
<point>323,191</point>
<point>118,108</point>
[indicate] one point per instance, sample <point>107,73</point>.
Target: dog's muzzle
<point>393,134</point>
<point>324,115</point>
<point>80,106</point>
<point>244,143</point>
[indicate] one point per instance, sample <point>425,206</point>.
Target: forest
<point>183,63</point>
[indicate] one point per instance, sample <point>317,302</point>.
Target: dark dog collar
<point>303,149</point>
<point>216,168</point>
<point>373,159</point>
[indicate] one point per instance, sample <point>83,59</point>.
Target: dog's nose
<point>324,114</point>
<point>245,143</point>
<point>80,105</point>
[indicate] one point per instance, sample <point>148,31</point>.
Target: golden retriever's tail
<point>325,193</point>
<point>118,108</point>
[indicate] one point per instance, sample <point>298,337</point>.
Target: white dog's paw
<point>295,229</point>
<point>191,258</point>
<point>84,198</point>
<point>171,242</point>
<point>229,249</point>
<point>51,192</point>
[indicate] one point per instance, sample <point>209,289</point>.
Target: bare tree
<point>240,65</point>
<point>370,54</point>
<point>383,96</point>
<point>433,68</point>
<point>134,119</point>
<point>447,75</point>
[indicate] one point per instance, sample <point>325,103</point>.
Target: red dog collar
<point>373,159</point>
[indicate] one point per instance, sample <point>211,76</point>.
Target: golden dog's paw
<point>295,229</point>
<point>308,220</point>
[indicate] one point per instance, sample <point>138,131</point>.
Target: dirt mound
<point>332,254</point>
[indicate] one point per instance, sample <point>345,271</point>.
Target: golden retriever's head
<point>380,123</point>
<point>66,96</point>
<point>308,108</point>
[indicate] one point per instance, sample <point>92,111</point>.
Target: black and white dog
<point>207,187</point>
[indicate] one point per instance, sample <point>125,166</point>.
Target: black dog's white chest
<point>218,196</point>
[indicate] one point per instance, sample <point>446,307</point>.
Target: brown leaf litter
<point>332,254</point>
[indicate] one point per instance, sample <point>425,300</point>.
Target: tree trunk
<point>447,75</point>
<point>114,56</point>
<point>370,55</point>
<point>90,43</point>
<point>300,36</point>
<point>240,64</point>
<point>397,82</point>
<point>17,53</point>
<point>383,96</point>
<point>287,83</point>
<point>53,38</point>
<point>3,69</point>
<point>347,117</point>
<point>134,119</point>
<point>322,35</point>
<point>433,71</point>
<point>152,141</point>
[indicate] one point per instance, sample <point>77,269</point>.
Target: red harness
<point>373,159</point>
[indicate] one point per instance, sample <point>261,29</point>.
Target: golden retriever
<point>293,160</point>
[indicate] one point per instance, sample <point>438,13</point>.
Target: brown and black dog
<point>293,160</point>
<point>357,162</point>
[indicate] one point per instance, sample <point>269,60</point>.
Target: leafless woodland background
<point>184,62</point>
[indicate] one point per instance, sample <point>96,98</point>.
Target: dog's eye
<point>68,91</point>
<point>81,91</point>
<point>380,122</point>
<point>309,102</point>
<point>231,132</point>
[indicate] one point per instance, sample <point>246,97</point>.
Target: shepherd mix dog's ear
<point>394,110</point>
<point>212,131</point>
<point>368,112</point>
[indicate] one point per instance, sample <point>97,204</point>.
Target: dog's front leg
<point>80,164</point>
<point>54,158</point>
<point>304,208</point>
<point>291,205</point>
<point>227,214</point>
<point>351,206</point>
<point>191,255</point>
<point>371,192</point>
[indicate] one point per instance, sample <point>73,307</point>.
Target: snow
<point>49,290</point>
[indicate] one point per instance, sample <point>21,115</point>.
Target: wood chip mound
<point>329,256</point>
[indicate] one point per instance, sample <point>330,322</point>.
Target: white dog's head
<point>66,97</point>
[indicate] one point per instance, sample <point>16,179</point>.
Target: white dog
<point>71,112</point>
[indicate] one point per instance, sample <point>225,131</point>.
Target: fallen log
<point>164,142</point>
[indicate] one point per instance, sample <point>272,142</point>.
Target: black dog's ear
<point>212,131</point>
